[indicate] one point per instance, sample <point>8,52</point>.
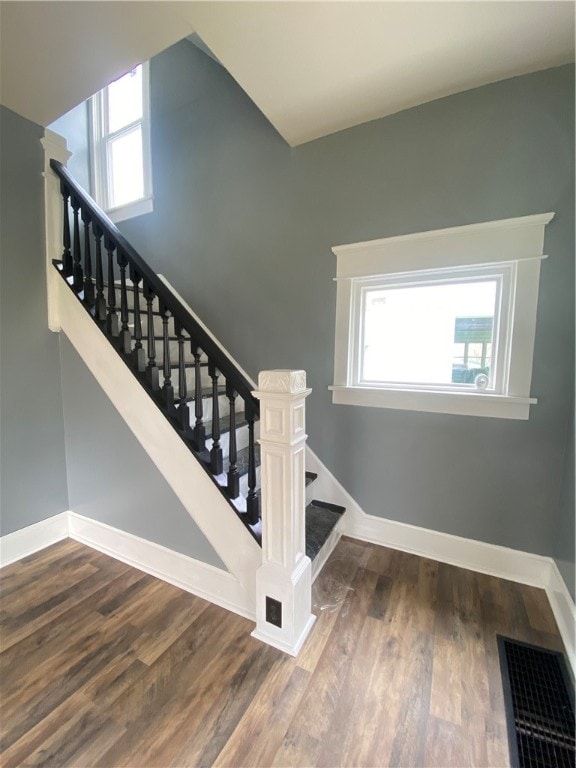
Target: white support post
<point>54,148</point>
<point>283,581</point>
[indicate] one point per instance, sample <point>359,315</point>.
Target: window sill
<point>131,210</point>
<point>459,403</point>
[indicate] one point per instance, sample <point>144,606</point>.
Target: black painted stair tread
<point>225,424</point>
<point>204,393</point>
<point>321,518</point>
<point>117,314</point>
<point>159,339</point>
<point>242,460</point>
<point>310,477</point>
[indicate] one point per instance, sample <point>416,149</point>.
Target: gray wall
<point>243,227</point>
<point>33,482</point>
<point>75,127</point>
<point>82,457</point>
<point>110,476</point>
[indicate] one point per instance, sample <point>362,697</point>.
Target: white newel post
<point>54,148</point>
<point>283,581</point>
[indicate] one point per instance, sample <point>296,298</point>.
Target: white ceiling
<point>313,68</point>
<point>54,55</point>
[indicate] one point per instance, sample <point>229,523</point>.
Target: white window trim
<point>98,156</point>
<point>516,243</point>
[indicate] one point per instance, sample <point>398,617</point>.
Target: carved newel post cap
<point>282,381</point>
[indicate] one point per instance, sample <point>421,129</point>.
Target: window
<point>440,321</point>
<point>430,329</point>
<point>120,144</point>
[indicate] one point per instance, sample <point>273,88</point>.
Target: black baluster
<point>88,283</point>
<point>66,253</point>
<point>138,354</point>
<point>183,413</point>
<point>199,431</point>
<point>112,318</point>
<point>167,388</point>
<point>152,376</point>
<point>78,282</point>
<point>252,500</point>
<point>216,462</point>
<point>100,303</point>
<point>124,342</point>
<point>233,476</point>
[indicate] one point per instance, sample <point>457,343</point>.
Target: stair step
<point>242,460</point>
<point>329,506</point>
<point>321,519</point>
<point>225,424</point>
<point>204,393</point>
<point>310,477</point>
<point>189,361</point>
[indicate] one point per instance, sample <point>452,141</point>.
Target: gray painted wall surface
<point>243,227</point>
<point>110,476</point>
<point>74,126</point>
<point>33,484</point>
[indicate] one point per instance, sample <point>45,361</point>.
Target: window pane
<point>430,333</point>
<point>125,168</point>
<point>125,100</point>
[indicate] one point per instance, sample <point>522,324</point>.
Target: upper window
<point>120,141</point>
<point>440,321</point>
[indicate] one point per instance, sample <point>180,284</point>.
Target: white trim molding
<point>457,403</point>
<point>201,579</point>
<point>101,157</point>
<point>55,148</point>
<point>492,559</point>
<point>221,588</point>
<point>192,485</point>
<point>14,546</point>
<point>506,252</point>
<point>194,576</point>
<point>564,611</point>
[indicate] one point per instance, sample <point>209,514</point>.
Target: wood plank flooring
<point>102,665</point>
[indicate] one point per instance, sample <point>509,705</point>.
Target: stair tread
<point>205,393</point>
<point>242,460</point>
<point>328,505</point>
<point>310,477</point>
<point>225,424</point>
<point>321,518</point>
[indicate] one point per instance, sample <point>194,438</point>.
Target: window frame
<point>502,274</point>
<point>100,157</point>
<point>510,248</point>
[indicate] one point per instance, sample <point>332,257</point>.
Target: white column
<point>54,148</point>
<point>283,581</point>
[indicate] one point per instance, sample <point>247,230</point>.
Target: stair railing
<point>101,268</point>
<point>98,263</point>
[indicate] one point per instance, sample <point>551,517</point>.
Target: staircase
<point>201,391</point>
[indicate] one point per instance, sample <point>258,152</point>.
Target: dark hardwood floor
<point>102,665</point>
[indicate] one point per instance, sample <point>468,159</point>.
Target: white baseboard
<point>479,556</point>
<point>188,480</point>
<point>26,541</point>
<point>564,612</point>
<point>198,578</point>
<point>205,581</point>
<point>222,588</point>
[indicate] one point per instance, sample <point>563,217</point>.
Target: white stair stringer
<point>188,480</point>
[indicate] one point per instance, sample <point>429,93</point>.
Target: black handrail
<point>217,357</point>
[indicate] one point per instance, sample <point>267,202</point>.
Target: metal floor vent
<point>539,701</point>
